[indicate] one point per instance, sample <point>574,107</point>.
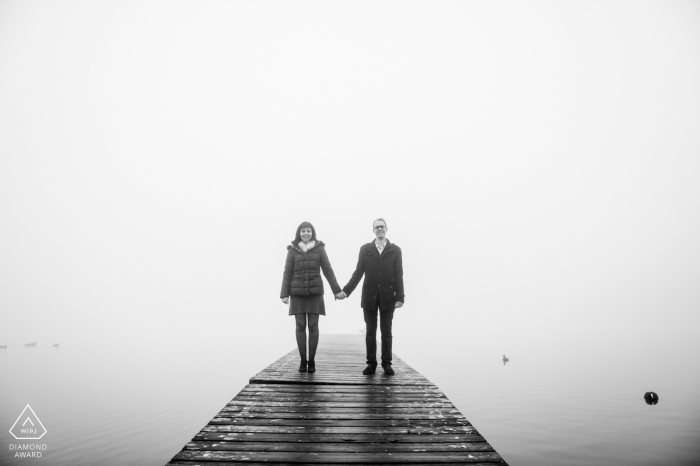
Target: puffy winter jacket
<point>302,272</point>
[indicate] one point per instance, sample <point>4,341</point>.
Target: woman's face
<point>305,234</point>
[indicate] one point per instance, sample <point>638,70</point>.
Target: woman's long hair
<point>305,225</point>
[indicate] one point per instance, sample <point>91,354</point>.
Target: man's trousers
<point>386,317</point>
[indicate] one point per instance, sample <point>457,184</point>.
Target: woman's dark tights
<point>301,334</point>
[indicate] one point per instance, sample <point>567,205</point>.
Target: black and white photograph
<point>349,232</point>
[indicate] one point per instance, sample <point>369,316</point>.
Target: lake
<point>574,398</point>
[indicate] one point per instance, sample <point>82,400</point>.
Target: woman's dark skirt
<point>307,304</point>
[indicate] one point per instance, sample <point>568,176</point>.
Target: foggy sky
<point>537,162</point>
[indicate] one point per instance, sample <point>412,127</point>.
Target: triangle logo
<point>28,426</point>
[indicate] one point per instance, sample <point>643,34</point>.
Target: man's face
<point>380,230</point>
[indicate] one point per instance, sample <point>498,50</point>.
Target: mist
<point>537,164</point>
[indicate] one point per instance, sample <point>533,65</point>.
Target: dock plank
<point>337,415</point>
<point>417,423</point>
<point>348,416</point>
<point>347,438</point>
<point>346,457</point>
<point>248,409</point>
<point>343,447</point>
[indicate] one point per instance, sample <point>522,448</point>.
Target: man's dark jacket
<point>383,276</point>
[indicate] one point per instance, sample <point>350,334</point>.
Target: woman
<point>306,257</point>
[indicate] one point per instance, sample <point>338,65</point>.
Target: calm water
<point>560,400</point>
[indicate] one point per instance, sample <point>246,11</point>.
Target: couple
<point>382,291</point>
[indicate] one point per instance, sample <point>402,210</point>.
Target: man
<point>380,262</point>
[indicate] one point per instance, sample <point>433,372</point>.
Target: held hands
<point>340,295</point>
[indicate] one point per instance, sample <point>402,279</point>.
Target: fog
<point>537,163</point>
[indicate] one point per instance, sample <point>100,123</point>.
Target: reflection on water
<point>140,403</point>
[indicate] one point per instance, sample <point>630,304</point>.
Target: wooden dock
<point>337,415</point>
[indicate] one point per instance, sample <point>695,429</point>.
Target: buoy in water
<point>651,398</point>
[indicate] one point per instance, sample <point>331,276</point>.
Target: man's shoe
<point>312,365</point>
<point>370,369</point>
<point>302,366</point>
<point>387,369</point>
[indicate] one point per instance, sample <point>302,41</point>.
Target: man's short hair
<point>380,220</point>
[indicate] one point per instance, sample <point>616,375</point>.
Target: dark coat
<point>302,272</point>
<point>383,276</point>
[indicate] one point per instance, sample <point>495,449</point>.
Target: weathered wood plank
<point>347,374</point>
<point>346,438</point>
<point>278,388</point>
<point>378,430</point>
<point>320,381</point>
<point>357,457</point>
<point>330,398</point>
<point>346,393</point>
<point>337,415</point>
<point>330,408</point>
<point>349,404</point>
<point>224,421</point>
<point>343,447</point>
<point>249,410</point>
<point>324,380</point>
<point>337,365</point>
<point>257,463</point>
<point>417,396</point>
